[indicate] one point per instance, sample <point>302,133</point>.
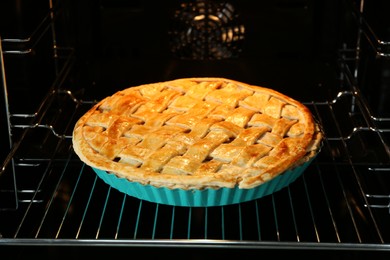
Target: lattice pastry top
<point>196,133</point>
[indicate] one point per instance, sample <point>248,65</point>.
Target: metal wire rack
<point>49,197</point>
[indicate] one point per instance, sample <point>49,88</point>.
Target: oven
<point>59,57</point>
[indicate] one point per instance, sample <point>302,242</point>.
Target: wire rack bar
<point>199,243</point>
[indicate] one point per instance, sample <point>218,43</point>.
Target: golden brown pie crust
<point>196,133</point>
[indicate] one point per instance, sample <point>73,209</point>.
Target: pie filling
<point>196,133</point>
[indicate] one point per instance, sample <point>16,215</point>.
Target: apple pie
<point>196,134</point>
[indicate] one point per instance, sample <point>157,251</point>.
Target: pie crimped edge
<point>118,109</point>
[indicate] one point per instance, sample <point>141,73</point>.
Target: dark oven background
<point>289,45</point>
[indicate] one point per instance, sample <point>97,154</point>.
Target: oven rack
<point>70,205</point>
<point>378,45</point>
<point>60,201</point>
<point>49,197</point>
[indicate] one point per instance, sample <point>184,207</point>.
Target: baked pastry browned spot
<point>197,133</point>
